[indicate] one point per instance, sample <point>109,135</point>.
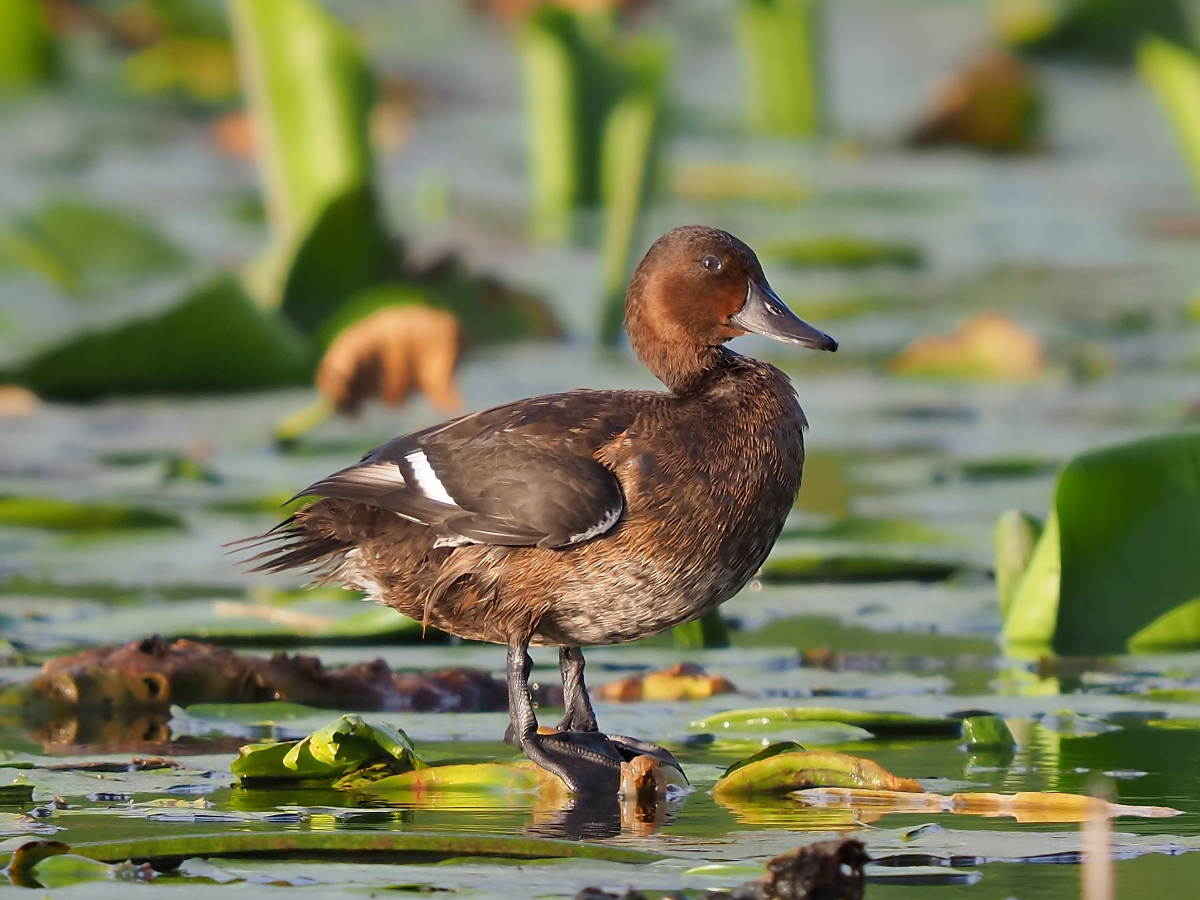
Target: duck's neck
<point>683,366</point>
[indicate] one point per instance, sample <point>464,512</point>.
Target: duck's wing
<point>525,474</point>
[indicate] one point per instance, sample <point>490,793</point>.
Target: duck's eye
<point>711,263</point>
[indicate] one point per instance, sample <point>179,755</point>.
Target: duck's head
<point>696,288</point>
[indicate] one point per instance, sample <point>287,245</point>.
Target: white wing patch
<point>383,475</point>
<point>427,481</point>
<point>452,540</point>
<point>609,520</point>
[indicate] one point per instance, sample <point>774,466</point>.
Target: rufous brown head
<point>696,288</point>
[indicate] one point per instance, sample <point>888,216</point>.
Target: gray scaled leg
<point>579,716</point>
<point>587,762</point>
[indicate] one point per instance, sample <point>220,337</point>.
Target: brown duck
<point>587,517</point>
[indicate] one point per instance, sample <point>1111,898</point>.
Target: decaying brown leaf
<point>389,353</point>
<point>993,104</point>
<point>682,681</point>
<point>988,346</point>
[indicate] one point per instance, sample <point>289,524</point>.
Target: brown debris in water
<point>992,104</point>
<point>388,354</point>
<point>682,681</point>
<point>153,673</point>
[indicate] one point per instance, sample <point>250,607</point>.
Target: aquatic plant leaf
<point>345,745</point>
<point>464,778</point>
<point>16,794</point>
<point>1109,31</point>
<point>82,247</point>
<point>216,339</point>
<point>51,514</point>
<point>1016,536</point>
<point>795,770</point>
<point>1175,630</point>
<point>780,41</point>
<point>1032,611</point>
<point>64,869</point>
<point>310,93</point>
<point>989,346</point>
<point>1129,520</point>
<point>1024,806</point>
<point>335,844</point>
<point>986,732</point>
<point>198,67</point>
<point>1173,73</point>
<point>27,53</point>
<point>891,724</point>
<point>710,630</point>
<point>765,753</point>
<point>813,568</point>
<point>23,860</point>
<point>840,252</point>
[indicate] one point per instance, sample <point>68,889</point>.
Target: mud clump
<point>154,673</point>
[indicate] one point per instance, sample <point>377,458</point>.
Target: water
<point>1060,241</point>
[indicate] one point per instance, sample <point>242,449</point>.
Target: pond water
<point>1063,241</point>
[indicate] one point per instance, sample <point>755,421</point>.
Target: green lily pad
<point>16,794</point>
<point>216,339</point>
<point>81,247</point>
<point>812,568</point>
<point>346,745</point>
<point>766,720</point>
<point>64,869</point>
<point>840,252</point>
<point>986,733</point>
<point>51,514</point>
<point>384,846</point>
<point>794,770</point>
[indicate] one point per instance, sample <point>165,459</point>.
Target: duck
<point>588,517</point>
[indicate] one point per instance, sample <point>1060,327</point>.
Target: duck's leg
<point>580,716</point>
<point>587,762</point>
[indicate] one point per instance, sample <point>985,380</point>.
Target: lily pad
<point>51,514</point>
<point>782,773</point>
<point>216,339</point>
<point>82,247</point>
<point>766,720</point>
<point>840,252</point>
<point>813,568</point>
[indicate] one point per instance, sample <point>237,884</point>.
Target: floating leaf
<point>794,770</point>
<point>839,252</point>
<point>716,182</point>
<point>65,869</point>
<point>83,247</point>
<point>710,630</point>
<point>989,346</point>
<point>27,856</point>
<point>216,339</point>
<point>345,745</point>
<point>466,778</point>
<point>890,724</point>
<point>813,568</point>
<point>51,514</point>
<point>16,794</point>
<point>1025,806</point>
<point>337,844</point>
<point>1033,609</point>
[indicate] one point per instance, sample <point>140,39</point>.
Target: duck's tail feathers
<point>292,544</point>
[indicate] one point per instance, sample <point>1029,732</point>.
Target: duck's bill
<point>765,314</point>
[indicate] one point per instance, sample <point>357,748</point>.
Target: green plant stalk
<point>1016,536</point>
<point>552,98</point>
<point>708,631</point>
<point>27,56</point>
<point>310,93</point>
<point>628,139</point>
<point>1174,75</point>
<point>779,44</point>
<point>1032,612</point>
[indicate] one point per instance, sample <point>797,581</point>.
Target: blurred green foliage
<point>27,52</point>
<point>1105,31</point>
<point>1115,567</point>
<point>780,45</point>
<point>1173,73</point>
